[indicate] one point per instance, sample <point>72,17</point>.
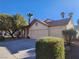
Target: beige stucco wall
<point>38,31</point>
<point>70,25</point>
<point>57,31</point>
<point>38,26</point>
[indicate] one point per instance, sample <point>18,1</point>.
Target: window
<point>36,24</point>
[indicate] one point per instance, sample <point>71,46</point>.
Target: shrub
<point>2,38</point>
<point>50,48</point>
<point>69,35</point>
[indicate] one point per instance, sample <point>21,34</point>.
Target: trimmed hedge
<point>50,48</point>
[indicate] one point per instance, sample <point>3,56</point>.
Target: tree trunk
<point>28,33</point>
<point>11,33</point>
<point>28,29</point>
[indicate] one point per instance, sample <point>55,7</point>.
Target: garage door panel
<point>56,33</point>
<point>38,33</point>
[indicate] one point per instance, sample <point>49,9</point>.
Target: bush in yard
<point>2,38</point>
<point>69,35</point>
<point>50,48</point>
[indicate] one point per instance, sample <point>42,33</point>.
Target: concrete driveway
<point>18,49</point>
<point>73,53</point>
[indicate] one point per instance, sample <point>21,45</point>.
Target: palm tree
<point>70,14</point>
<point>78,21</point>
<point>29,15</point>
<point>62,14</point>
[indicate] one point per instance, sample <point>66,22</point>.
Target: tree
<point>62,14</point>
<point>78,21</point>
<point>70,14</point>
<point>11,24</point>
<point>1,27</point>
<point>5,22</point>
<point>69,35</point>
<point>18,23</point>
<point>29,15</point>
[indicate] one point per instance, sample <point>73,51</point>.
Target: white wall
<point>70,25</point>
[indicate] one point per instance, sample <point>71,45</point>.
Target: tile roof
<point>60,22</point>
<point>51,23</point>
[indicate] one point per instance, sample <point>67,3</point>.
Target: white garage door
<point>35,34</point>
<point>56,33</point>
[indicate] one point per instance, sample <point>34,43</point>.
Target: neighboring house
<point>54,28</point>
<point>77,30</point>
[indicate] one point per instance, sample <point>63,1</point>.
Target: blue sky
<point>41,9</point>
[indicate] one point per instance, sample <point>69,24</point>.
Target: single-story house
<point>54,28</point>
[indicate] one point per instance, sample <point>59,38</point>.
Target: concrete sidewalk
<point>5,54</point>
